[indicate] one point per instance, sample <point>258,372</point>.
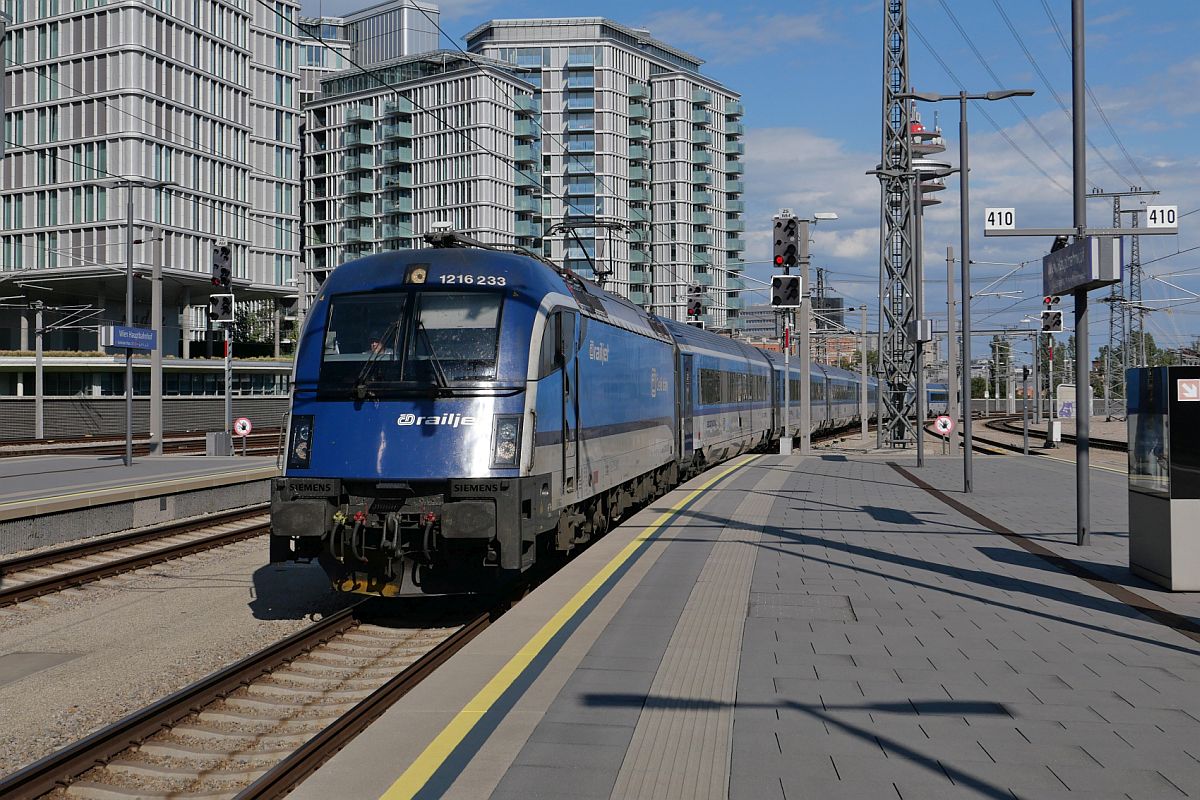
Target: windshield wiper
<point>438,372</point>
<point>359,390</point>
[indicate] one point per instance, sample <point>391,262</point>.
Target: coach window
<point>558,342</point>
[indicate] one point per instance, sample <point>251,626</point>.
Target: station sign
<point>129,337</point>
<point>1088,263</point>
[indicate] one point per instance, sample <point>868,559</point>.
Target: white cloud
<point>720,38</point>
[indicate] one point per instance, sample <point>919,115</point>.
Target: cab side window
<point>558,342</point>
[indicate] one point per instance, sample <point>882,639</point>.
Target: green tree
<point>979,384</point>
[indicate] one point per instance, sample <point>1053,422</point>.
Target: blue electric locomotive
<point>458,410</point>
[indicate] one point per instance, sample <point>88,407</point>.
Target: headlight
<point>300,446</point>
<point>506,441</point>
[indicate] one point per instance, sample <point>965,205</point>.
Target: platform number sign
<point>242,427</point>
<point>999,219</point>
<point>1162,216</point>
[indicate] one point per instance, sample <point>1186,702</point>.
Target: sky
<point>811,77</point>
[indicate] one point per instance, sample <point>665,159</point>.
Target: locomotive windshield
<point>396,342</point>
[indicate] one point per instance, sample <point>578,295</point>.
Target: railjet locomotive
<point>459,412</point>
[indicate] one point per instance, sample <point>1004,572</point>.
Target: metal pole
<point>919,314</point>
<point>1025,413</point>
<point>862,375</point>
<point>129,321</point>
<point>805,346</point>
<point>1082,353</point>
<point>39,375</point>
<point>1037,379</point>
<point>156,360</point>
<point>964,233</point>
<point>228,326</point>
<point>951,340</point>
<point>785,439</point>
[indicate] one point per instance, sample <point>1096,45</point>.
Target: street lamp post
<point>965,245</point>
<point>155,379</point>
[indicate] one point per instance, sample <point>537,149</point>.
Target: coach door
<point>570,399</point>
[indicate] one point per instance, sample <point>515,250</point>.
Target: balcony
<point>581,101</point>
<point>639,91</point>
<point>360,114</point>
<point>735,167</point>
<point>580,165</point>
<point>735,129</point>
<point>639,215</point>
<point>702,238</point>
<point>702,177</point>
<point>578,208</point>
<point>399,205</point>
<point>581,60</point>
<point>350,235</point>
<point>358,138</point>
<point>735,244</point>
<point>639,111</point>
<point>734,108</point>
<point>735,303</point>
<point>527,103</point>
<point>639,195</point>
<point>581,254</point>
<point>702,278</point>
<point>639,234</point>
<point>639,132</point>
<point>349,211</point>
<point>734,187</point>
<point>529,204</point>
<point>529,229</point>
<point>397,231</point>
<point>639,275</point>
<point>528,180</point>
<point>364,161</point>
<point>399,105</point>
<point>581,144</point>
<point>702,259</point>
<point>355,186</point>
<point>397,130</point>
<point>524,128</point>
<point>735,148</point>
<point>396,155</point>
<point>702,198</point>
<point>581,189</point>
<point>398,180</point>
<point>736,264</point>
<point>581,122</point>
<point>638,256</point>
<point>639,174</point>
<point>702,157</point>
<point>735,205</point>
<point>638,152</point>
<point>701,97</point>
<point>640,298</point>
<point>701,117</point>
<point>702,137</point>
<point>701,218</point>
<point>735,225</point>
<point>528,152</point>
<point>734,283</point>
<point>581,80</point>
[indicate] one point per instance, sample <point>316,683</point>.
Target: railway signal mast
<point>221,311</point>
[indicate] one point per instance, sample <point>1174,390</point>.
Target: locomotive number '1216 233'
<point>477,280</point>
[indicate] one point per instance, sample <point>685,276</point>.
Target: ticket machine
<point>1164,475</point>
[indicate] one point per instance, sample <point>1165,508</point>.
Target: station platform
<point>839,625</point>
<point>50,499</point>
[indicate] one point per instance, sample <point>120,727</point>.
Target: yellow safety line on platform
<point>104,489</point>
<point>422,769</point>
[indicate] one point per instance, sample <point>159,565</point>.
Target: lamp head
<point>928,97</point>
<point>825,215</point>
<point>1004,94</point>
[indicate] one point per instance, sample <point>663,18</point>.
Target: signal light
<point>1051,300</point>
<point>220,308</point>
<point>787,242</point>
<point>1052,322</point>
<point>785,291</point>
<point>222,271</point>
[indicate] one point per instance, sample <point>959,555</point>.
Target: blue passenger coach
<point>458,410</point>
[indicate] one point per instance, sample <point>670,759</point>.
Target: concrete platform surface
<point>837,625</point>
<point>37,485</point>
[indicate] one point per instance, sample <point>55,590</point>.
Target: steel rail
<point>78,577</point>
<point>60,768</point>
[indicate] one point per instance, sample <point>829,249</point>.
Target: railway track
<point>30,576</point>
<point>265,442</point>
<point>258,727</point>
<point>1013,425</point>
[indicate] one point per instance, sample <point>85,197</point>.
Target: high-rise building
<point>632,136</point>
<point>368,37</point>
<point>438,137</point>
<point>199,94</point>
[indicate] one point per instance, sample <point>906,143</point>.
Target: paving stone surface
<point>965,666</point>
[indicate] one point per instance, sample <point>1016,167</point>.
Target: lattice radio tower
<point>897,290</point>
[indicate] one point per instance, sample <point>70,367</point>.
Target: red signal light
<point>778,261</point>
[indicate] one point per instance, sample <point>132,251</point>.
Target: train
<point>459,413</point>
